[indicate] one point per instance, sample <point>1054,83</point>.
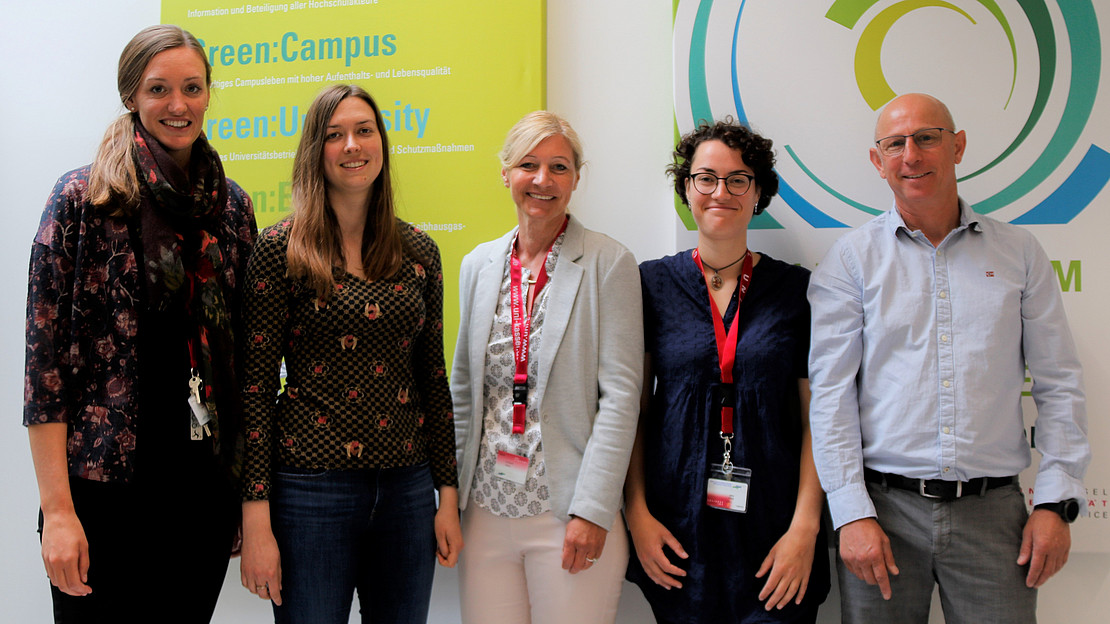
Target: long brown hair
<point>314,245</point>
<point>113,180</point>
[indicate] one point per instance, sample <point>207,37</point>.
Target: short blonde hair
<point>536,126</point>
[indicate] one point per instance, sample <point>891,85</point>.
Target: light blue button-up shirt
<point>918,359</point>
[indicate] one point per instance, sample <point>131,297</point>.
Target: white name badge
<point>728,490</point>
<point>511,467</point>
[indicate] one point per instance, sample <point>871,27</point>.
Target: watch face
<point>1069,509</point>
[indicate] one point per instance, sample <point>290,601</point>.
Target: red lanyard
<point>726,344</point>
<point>195,341</point>
<point>522,324</point>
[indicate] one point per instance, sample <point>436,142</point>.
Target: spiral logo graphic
<point>1029,80</point>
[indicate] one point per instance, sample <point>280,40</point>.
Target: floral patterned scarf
<point>179,222</point>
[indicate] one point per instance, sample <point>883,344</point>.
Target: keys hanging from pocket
<point>199,417</point>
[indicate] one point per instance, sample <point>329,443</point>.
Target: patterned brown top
<point>366,385</point>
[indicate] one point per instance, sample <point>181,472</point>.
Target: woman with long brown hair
<point>340,468</point>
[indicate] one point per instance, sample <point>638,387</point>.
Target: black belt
<point>937,488</point>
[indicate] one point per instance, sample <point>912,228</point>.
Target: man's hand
<point>865,550</point>
<point>1045,543</point>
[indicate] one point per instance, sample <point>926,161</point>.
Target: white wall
<point>609,72</point>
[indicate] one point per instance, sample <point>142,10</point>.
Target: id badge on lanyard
<point>728,484</point>
<point>728,488</point>
<point>512,467</point>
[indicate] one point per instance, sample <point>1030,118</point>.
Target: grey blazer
<point>590,362</point>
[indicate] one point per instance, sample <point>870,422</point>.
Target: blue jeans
<point>342,530</point>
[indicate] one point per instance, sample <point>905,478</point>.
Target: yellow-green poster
<point>450,78</point>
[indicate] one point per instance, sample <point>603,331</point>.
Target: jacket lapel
<point>560,301</point>
<point>487,291</point>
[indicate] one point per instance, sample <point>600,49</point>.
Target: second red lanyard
<point>726,343</point>
<point>522,327</point>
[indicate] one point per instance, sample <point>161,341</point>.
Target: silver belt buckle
<point>921,489</point>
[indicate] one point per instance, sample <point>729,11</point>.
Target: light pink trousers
<point>510,572</point>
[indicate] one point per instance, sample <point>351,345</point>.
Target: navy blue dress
<point>682,438</point>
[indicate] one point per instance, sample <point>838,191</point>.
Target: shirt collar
<point>552,256</point>
<point>969,219</point>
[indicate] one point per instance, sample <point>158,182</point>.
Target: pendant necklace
<point>716,282</point>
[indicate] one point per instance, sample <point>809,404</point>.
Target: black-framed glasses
<point>737,184</point>
<point>926,138</point>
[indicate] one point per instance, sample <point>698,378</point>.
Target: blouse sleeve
<point>49,300</point>
<point>430,373</point>
<point>265,315</point>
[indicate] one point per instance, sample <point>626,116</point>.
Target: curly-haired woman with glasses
<point>722,498</point>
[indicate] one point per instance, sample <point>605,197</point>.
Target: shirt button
<point>946,430</point>
<point>943,294</point>
<point>946,469</point>
<point>946,383</point>
<point>545,417</point>
<point>944,337</point>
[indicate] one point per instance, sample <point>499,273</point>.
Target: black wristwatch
<point>1068,509</point>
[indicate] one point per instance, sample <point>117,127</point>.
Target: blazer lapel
<point>484,305</point>
<point>560,300</point>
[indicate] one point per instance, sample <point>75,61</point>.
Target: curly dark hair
<point>755,149</point>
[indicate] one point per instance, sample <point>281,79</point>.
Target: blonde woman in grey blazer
<point>542,495</point>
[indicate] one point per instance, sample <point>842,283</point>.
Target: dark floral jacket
<point>82,322</point>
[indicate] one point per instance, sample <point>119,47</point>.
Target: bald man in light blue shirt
<point>924,321</point>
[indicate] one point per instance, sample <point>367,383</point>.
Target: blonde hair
<point>314,246</point>
<point>113,180</point>
<point>533,128</point>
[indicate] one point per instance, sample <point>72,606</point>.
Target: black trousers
<point>157,552</point>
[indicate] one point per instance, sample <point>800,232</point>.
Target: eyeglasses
<point>927,138</point>
<point>737,183</point>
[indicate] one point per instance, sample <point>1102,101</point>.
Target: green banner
<point>450,78</point>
